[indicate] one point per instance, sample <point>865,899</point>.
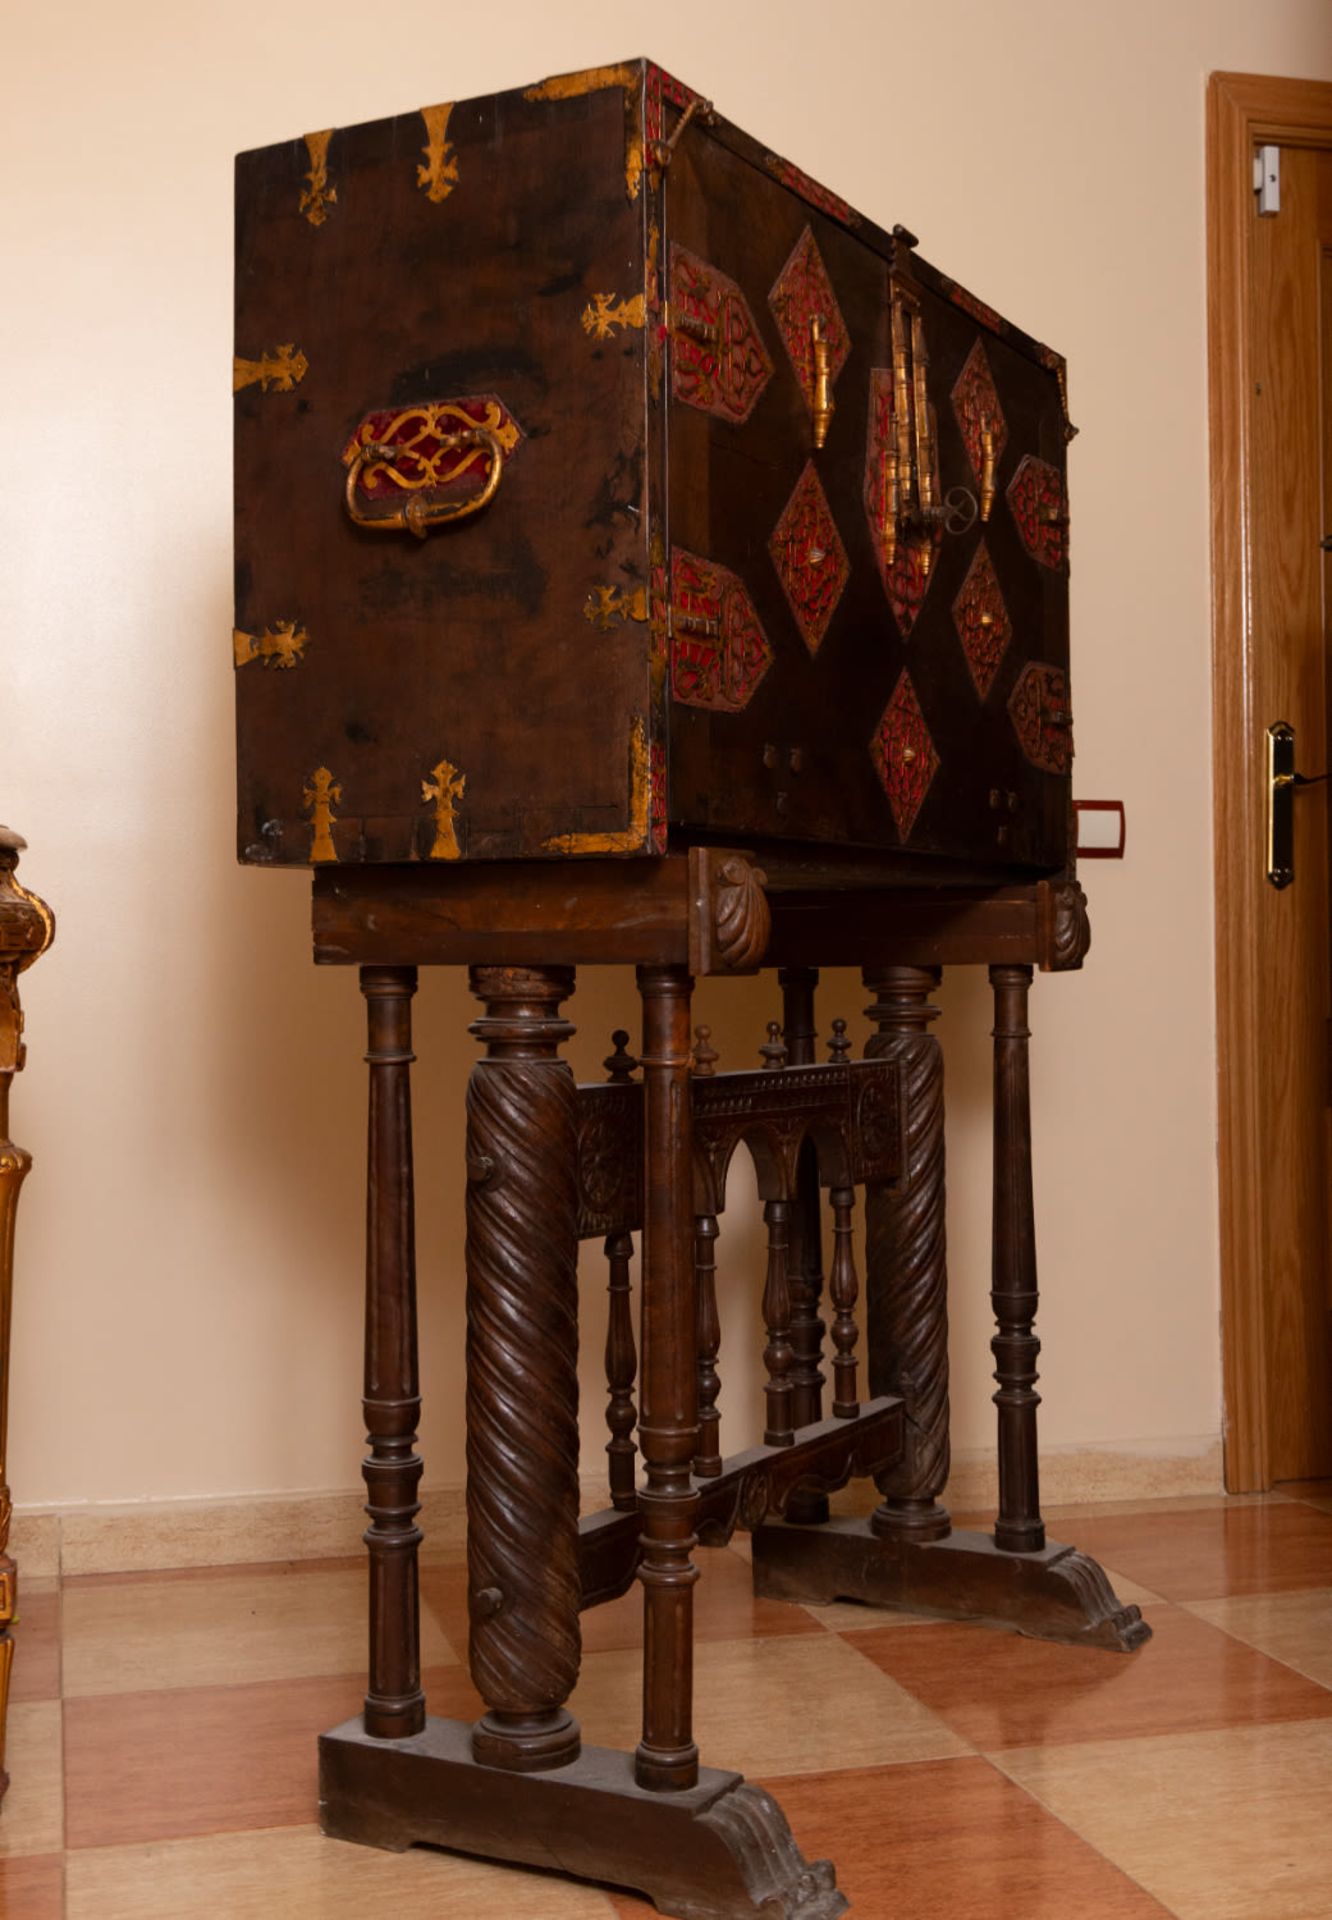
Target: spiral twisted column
<point>906,1278</point>
<point>1014,1296</point>
<point>394,1703</point>
<point>522,1371</point>
<point>667,1758</point>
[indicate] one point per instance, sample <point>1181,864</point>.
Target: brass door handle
<point>418,515</point>
<point>1283,782</point>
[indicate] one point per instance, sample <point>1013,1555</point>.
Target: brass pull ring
<point>416,516</point>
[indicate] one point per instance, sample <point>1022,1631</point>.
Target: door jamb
<point>1242,109</point>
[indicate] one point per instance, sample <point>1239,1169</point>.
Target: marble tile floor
<point>162,1730</point>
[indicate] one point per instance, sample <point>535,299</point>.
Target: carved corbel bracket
<point>730,922</point>
<point>1065,928</point>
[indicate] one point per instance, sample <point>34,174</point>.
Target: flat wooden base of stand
<point>721,1851</point>
<point>1056,1594</point>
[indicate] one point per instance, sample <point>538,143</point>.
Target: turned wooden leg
<point>394,1704</point>
<point>844,1290</point>
<point>668,1413</point>
<point>906,1275</point>
<point>777,1321</point>
<point>805,1258</point>
<point>708,1457</point>
<point>522,1371</point>
<point>621,1362</point>
<point>1019,1526</point>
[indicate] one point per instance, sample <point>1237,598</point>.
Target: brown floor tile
<point>33,1820</point>
<point>1219,1826</point>
<point>1293,1627</point>
<point>32,1889</point>
<point>166,1764</point>
<point>795,1705</point>
<point>297,1874</point>
<point>724,1607</point>
<point>1201,1553</point>
<point>946,1840</point>
<point>282,1624</point>
<point>1315,1493</point>
<point>1000,1690</point>
<point>36,1673</point>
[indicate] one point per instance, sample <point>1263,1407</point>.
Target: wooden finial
<point>706,1055</point>
<point>773,1051</point>
<point>840,1045</point>
<point>621,1065</point>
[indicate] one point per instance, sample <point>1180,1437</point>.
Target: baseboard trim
<point>159,1535</point>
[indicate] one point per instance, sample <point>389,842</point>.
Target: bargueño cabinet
<point>642,558</point>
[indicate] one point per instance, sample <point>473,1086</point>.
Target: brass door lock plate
<point>1281,784</point>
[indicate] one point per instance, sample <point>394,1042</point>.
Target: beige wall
<point>188,1291</point>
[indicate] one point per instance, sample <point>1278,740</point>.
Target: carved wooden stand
<point>27,928</point>
<point>550,1163</point>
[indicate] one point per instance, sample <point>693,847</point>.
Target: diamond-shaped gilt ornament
<point>976,404</point>
<point>904,755</point>
<point>982,621</point>
<point>810,559</point>
<point>801,294</point>
<point>719,651</point>
<point>719,363</point>
<point>1042,717</point>
<point>1036,496</point>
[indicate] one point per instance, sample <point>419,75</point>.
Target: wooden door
<point>1269,348</point>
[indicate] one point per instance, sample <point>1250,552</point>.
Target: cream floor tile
<point>298,1874</point>
<point>1218,1826</point>
<point>1295,1628</point>
<point>34,1818</point>
<point>1131,1592</point>
<point>851,1616</point>
<point>1060,1512</point>
<point>204,1632</point>
<point>774,1706</point>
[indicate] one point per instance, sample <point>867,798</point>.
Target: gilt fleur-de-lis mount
<point>319,799</point>
<point>279,646</point>
<point>445,788</point>
<point>437,175</point>
<point>605,605</point>
<point>276,372</point>
<point>317,196</point>
<point>605,312</point>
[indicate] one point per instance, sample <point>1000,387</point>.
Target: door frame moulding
<point>1242,111</point>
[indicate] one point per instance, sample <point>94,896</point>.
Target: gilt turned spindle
<point>522,1370</point>
<point>394,1703</point>
<point>668,1396</point>
<point>1019,1526</point>
<point>906,1289</point>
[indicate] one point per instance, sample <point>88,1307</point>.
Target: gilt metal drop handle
<point>418,515</point>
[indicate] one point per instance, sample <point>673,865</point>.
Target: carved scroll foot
<point>1054,1594</point>
<point>721,1850</point>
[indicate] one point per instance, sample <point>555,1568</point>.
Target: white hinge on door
<point>1267,179</point>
